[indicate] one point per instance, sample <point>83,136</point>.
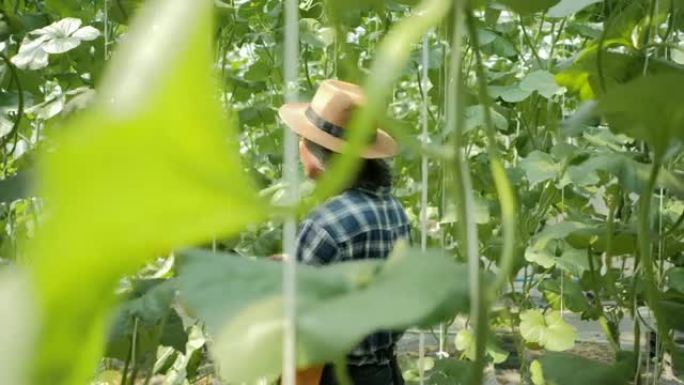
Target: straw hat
<point>324,120</point>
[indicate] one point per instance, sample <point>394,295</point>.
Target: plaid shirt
<point>360,223</point>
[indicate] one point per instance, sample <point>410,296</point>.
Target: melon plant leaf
<point>548,330</point>
<point>241,302</point>
<point>537,373</point>
<point>157,322</point>
<point>14,187</point>
<point>147,169</point>
<point>574,261</point>
<point>631,174</point>
<point>526,7</point>
<point>450,371</point>
<point>675,279</point>
<point>569,7</point>
<point>540,81</point>
<point>572,295</point>
<point>538,251</point>
<point>511,94</point>
<point>539,167</point>
<point>673,309</point>
<point>465,342</point>
<point>541,256</point>
<point>647,109</point>
<point>559,335</point>
<point>570,369</point>
<point>475,118</point>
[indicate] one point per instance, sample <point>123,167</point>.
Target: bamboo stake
<point>290,70</point>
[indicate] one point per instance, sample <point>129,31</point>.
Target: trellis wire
<point>424,181</point>
<point>291,65</point>
<point>658,337</point>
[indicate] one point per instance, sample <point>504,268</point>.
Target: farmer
<point>363,222</point>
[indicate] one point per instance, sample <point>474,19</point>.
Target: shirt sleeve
<point>315,246</point>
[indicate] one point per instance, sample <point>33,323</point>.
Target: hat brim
<point>294,116</point>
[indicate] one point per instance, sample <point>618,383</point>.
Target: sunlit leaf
<point>548,330</point>
<point>148,168</point>
<point>536,373</point>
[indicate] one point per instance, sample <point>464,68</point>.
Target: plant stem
<point>526,37</point>
<point>506,196</point>
<point>464,200</point>
<point>645,249</point>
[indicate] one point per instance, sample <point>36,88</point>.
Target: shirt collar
<point>374,189</point>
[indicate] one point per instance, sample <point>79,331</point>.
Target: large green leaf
<point>569,369</point>
<point>648,109</point>
<point>146,170</point>
<point>241,302</point>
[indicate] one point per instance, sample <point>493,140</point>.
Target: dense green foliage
<point>121,145</point>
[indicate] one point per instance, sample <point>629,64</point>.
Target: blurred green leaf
<point>147,169</point>
<point>450,371</point>
<point>475,118</point>
<point>241,302</point>
<point>672,304</point>
<point>157,322</point>
<point>647,109</point>
<point>570,369</point>
<point>511,94</point>
<point>675,279</point>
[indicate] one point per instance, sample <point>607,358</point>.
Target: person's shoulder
<point>330,215</point>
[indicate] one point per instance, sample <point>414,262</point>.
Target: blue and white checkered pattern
<point>361,223</point>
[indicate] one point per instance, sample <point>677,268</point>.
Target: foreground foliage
<point>575,104</point>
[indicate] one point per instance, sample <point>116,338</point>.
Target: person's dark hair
<point>373,172</point>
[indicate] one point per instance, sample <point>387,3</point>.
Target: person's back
<point>362,222</point>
